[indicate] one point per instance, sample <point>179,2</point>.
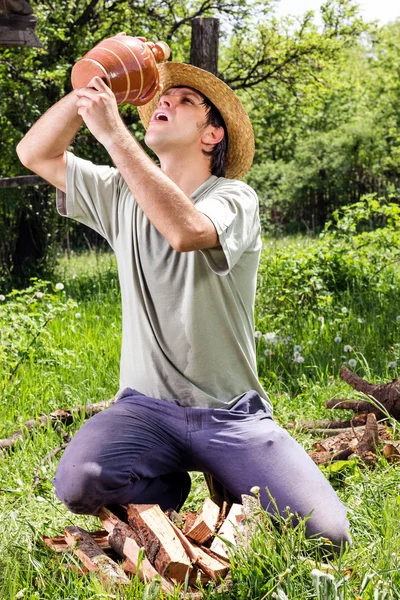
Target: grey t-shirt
<point>187,318</point>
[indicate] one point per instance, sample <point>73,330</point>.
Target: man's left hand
<point>98,107</point>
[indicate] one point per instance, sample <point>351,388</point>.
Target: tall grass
<point>77,362</point>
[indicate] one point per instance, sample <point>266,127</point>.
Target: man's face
<point>178,120</point>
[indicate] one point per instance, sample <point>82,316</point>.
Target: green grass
<point>75,361</point>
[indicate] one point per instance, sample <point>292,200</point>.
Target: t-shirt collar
<point>204,187</point>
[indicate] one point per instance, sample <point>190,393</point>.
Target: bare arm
<point>42,150</point>
<point>170,210</point>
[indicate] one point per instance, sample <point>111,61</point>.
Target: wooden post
<point>204,44</point>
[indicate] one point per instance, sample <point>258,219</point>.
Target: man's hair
<point>219,151</point>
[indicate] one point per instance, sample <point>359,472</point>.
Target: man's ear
<point>212,135</point>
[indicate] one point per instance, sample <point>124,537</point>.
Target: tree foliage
<point>323,102</point>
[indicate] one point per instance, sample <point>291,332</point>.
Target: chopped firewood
<point>204,526</point>
<point>214,563</point>
<point>198,577</point>
<point>209,564</point>
<point>162,546</point>
<point>228,531</point>
<point>59,544</point>
<point>386,395</point>
<point>122,539</point>
<point>93,557</point>
<point>190,518</point>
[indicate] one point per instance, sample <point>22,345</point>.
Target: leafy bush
<point>356,253</point>
<point>24,316</point>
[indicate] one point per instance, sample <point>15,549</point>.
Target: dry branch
<point>325,424</point>
<point>386,395</point>
<point>58,416</point>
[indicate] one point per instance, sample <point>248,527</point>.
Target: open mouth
<point>161,117</point>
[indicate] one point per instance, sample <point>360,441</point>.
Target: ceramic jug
<point>127,64</point>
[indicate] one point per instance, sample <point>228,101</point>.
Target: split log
<point>122,539</point>
<point>386,395</point>
<point>213,568</point>
<point>198,578</point>
<point>58,543</point>
<point>204,526</point>
<point>93,557</point>
<point>162,546</point>
<point>58,416</point>
<point>228,531</point>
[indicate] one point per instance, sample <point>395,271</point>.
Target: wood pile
<point>146,542</point>
<point>361,436</point>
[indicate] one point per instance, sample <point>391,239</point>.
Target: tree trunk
<point>204,44</point>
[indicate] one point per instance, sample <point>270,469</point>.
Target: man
<point>187,240</point>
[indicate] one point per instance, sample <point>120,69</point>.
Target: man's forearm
<point>51,135</point>
<point>163,202</point>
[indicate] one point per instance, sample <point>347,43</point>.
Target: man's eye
<point>185,99</point>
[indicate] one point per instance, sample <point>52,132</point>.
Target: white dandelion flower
<point>347,348</point>
<point>345,310</point>
<point>268,352</point>
<point>271,338</point>
<point>361,320</point>
<point>338,339</point>
<point>39,295</point>
<point>255,490</point>
<point>352,362</point>
<point>297,348</point>
<point>2,298</point>
<point>392,365</point>
<point>257,335</point>
<point>299,359</point>
<point>59,287</point>
<point>78,315</point>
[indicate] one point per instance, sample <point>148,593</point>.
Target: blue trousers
<point>141,449</point>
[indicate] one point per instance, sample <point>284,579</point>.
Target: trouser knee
<point>336,532</point>
<point>78,490</point>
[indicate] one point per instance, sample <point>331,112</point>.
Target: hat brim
<point>240,153</point>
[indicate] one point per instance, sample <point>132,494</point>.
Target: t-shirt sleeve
<point>91,196</point>
<point>233,209</point>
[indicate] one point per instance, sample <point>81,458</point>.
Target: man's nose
<point>165,101</point>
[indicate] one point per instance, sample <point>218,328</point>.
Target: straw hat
<point>240,132</point>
